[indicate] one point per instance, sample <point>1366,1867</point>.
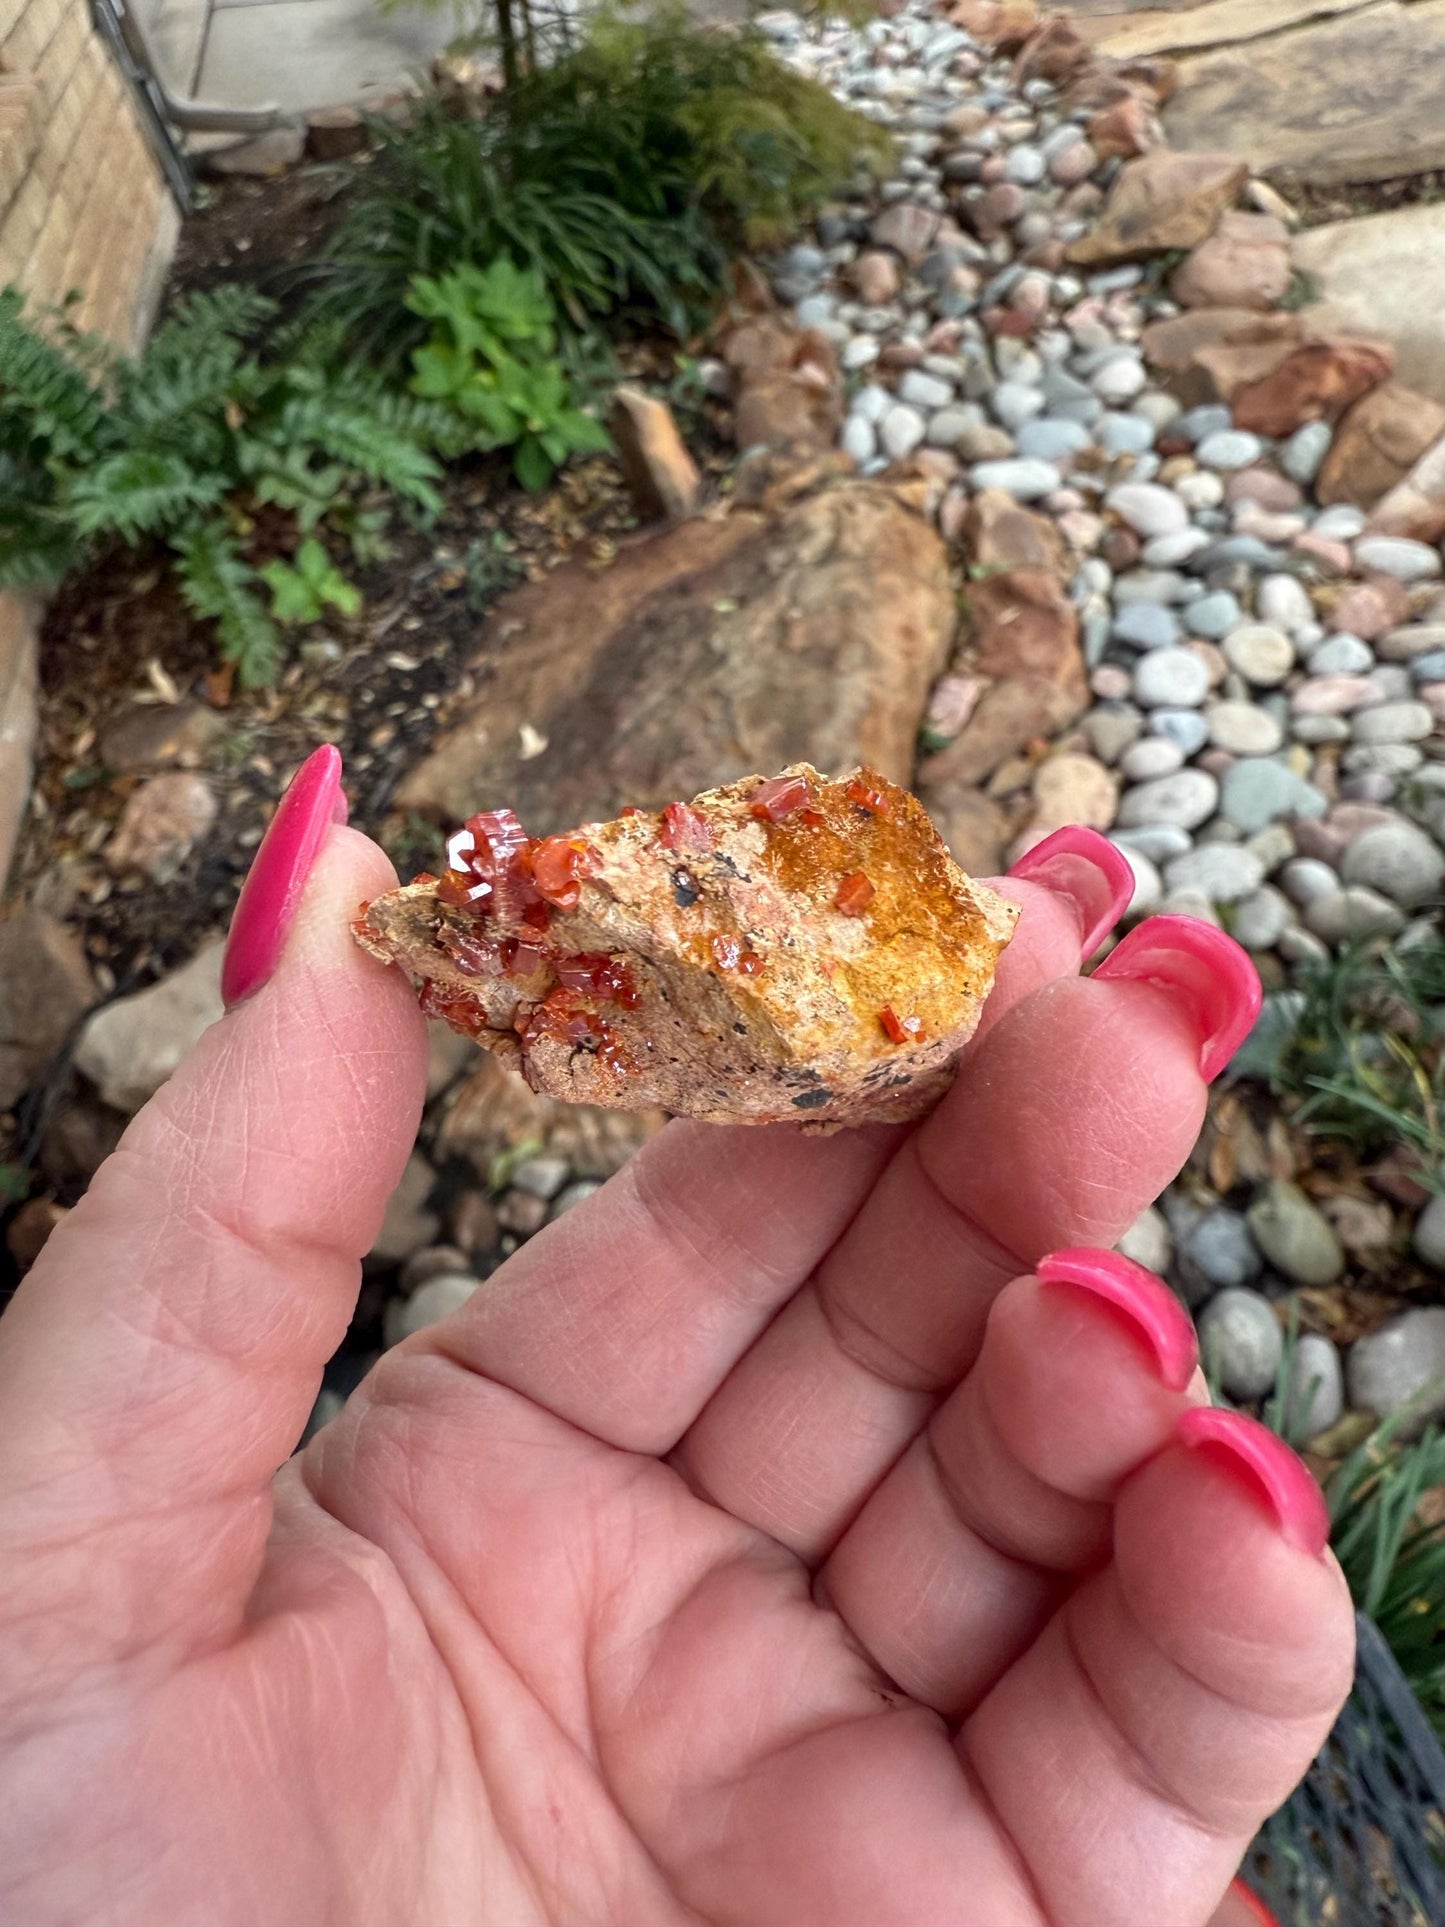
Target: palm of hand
<point>714,1565</point>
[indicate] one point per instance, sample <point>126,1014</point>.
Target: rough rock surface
<point>130,1048</point>
<point>1162,200</point>
<point>1378,443</point>
<point>661,476</point>
<point>45,988</point>
<point>748,640</point>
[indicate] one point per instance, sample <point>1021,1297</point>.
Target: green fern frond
<point>231,312</point>
<point>38,545</point>
<point>360,439</point>
<point>140,493</point>
<point>217,583</point>
<point>47,405</point>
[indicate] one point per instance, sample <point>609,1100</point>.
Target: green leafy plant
<point>302,590</point>
<point>186,445</point>
<point>490,362</point>
<point>1366,1050</point>
<point>624,173</point>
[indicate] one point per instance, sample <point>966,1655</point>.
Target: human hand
<point>776,1539</point>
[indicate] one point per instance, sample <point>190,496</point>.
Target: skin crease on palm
<point>764,1545</point>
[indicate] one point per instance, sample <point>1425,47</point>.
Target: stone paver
<point>1355,98</point>
<point>1217,23</point>
<point>296,54</point>
<point>1384,274</point>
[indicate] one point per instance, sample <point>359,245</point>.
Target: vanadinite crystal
<point>855,893</point>
<point>782,796</point>
<point>684,829</point>
<point>560,865</point>
<point>866,796</point>
<point>901,1030</point>
<point>488,868</point>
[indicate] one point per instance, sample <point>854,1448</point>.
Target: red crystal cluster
<point>855,893</point>
<point>496,870</point>
<point>511,883</point>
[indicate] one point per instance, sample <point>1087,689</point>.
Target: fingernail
<point>267,905</point>
<point>1206,970</point>
<point>1146,1303</point>
<point>1087,869</point>
<point>1260,1460</point>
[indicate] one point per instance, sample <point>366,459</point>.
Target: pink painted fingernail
<point>1145,1302</point>
<point>1206,970</point>
<point>1087,869</point>
<point>1261,1461</point>
<point>267,905</point>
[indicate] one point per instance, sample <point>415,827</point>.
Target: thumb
<point>158,1364</point>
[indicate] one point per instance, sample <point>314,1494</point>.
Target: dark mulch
<point>1317,205</point>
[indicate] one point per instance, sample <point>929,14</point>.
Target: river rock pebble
<point>1314,1389</point>
<point>1244,729</point>
<point>1263,655</point>
<point>1403,1363</point>
<point>1240,1341</point>
<point>1295,1235</point>
<point>1184,800</point>
<point>1220,1249</point>
<point>1170,677</point>
<point>1399,860</point>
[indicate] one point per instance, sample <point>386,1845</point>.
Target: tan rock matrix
<point>788,948</point>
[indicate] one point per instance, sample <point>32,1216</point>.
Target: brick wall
<point>82,202</point>
<point>83,207</point>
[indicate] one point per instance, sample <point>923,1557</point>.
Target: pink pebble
<point>1432,694</point>
<point>1081,529</point>
<point>1110,682</point>
<point>943,337</point>
<point>1352,818</point>
<point>1249,518</point>
<point>1212,656</point>
<point>1314,837</point>
<point>952,513</point>
<point>1265,488</point>
<point>1333,556</point>
<point>1334,696</point>
<point>1368,609</point>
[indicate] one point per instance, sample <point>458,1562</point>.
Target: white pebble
<point>1148,509</point>
<point>1174,678</point>
<point>1283,603</point>
<point>1394,555</point>
<point>1264,655</point>
<point>1243,729</point>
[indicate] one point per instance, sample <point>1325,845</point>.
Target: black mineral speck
<point>685,891</point>
<point>812,1100</point>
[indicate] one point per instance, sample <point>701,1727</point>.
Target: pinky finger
<point>1181,1693</point>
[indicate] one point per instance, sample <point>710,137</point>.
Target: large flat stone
<point>725,644</point>
<point>1383,275</point>
<point>1218,23</point>
<point>1356,98</point>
